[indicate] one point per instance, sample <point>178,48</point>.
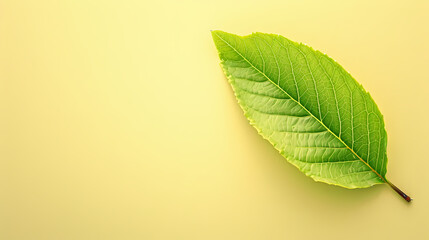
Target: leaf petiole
<point>399,191</point>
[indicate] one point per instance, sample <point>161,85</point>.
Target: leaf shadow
<point>294,187</point>
<point>292,180</point>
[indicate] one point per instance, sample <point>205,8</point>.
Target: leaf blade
<point>262,66</point>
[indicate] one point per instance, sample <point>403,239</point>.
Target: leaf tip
<point>216,32</point>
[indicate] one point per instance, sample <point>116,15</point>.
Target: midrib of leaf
<point>311,114</point>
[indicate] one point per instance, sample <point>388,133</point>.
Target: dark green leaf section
<point>318,117</point>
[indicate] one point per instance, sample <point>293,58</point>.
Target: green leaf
<point>308,107</point>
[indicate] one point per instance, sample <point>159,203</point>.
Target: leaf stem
<point>399,191</point>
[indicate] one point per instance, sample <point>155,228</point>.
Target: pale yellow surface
<point>116,122</point>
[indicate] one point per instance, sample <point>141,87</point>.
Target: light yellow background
<point>116,122</point>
